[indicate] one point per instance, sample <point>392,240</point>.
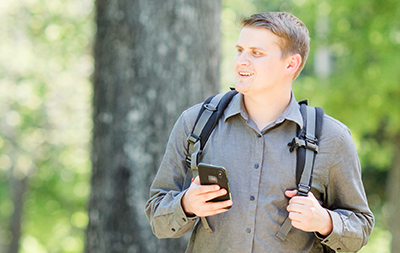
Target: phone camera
<point>220,174</point>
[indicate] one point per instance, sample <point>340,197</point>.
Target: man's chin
<point>241,87</point>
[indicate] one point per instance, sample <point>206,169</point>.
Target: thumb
<point>310,194</point>
<point>290,193</point>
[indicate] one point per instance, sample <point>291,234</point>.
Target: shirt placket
<point>255,168</point>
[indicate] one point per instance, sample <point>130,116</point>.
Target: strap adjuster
<point>303,189</point>
<point>312,146</point>
<point>310,138</point>
<point>210,107</point>
<point>192,138</point>
<point>195,155</point>
<point>188,160</point>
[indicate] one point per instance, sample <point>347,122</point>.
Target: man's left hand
<point>307,214</point>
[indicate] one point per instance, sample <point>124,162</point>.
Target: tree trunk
<point>394,200</point>
<point>153,59</point>
<point>18,189</point>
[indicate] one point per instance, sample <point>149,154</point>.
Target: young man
<point>250,141</point>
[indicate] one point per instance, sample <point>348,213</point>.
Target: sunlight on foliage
<point>45,93</point>
<point>45,102</point>
<point>379,242</point>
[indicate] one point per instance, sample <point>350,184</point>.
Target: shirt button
<point>256,166</point>
<point>173,229</point>
<point>252,198</point>
<point>184,219</point>
<point>248,230</point>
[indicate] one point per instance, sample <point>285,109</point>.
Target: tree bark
<point>153,59</point>
<point>19,187</point>
<point>394,200</point>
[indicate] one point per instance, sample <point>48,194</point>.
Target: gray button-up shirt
<point>260,168</point>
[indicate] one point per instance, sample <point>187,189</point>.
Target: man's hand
<point>307,214</point>
<point>194,201</point>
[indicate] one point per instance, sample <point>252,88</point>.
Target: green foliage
<point>45,92</point>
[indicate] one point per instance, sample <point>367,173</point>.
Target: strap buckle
<point>295,143</point>
<point>308,142</point>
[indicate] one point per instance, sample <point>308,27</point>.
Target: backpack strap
<point>195,145</point>
<point>306,143</point>
<point>209,114</point>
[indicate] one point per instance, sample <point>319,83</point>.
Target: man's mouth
<point>245,73</point>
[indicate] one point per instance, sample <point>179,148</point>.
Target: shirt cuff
<point>333,239</point>
<point>180,217</point>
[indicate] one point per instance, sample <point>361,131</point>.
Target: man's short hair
<point>294,34</point>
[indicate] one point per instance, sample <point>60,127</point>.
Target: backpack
<point>305,144</point>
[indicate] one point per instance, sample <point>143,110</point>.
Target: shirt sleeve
<point>347,203</point>
<point>164,210</point>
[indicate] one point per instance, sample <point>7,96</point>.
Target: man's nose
<point>243,59</point>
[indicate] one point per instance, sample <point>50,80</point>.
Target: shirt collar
<point>235,107</point>
<point>292,112</point>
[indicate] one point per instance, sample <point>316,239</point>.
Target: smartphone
<point>212,174</point>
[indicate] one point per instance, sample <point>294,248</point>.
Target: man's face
<point>258,64</point>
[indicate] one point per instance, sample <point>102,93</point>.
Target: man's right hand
<point>194,201</point>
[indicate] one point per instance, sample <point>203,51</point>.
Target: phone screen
<point>212,174</point>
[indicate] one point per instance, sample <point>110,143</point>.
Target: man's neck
<point>264,109</point>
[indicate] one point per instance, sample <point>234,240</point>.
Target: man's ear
<point>293,63</point>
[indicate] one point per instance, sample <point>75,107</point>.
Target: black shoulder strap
<point>306,142</point>
<point>307,145</point>
<point>208,127</point>
<point>209,114</point>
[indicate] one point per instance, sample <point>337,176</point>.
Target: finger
<point>302,200</point>
<point>215,194</point>
<point>296,208</point>
<point>298,225</point>
<point>213,208</point>
<point>205,188</point>
<point>295,217</point>
<point>218,206</point>
<point>307,200</point>
<point>290,193</point>
<point>221,204</point>
<point>211,213</point>
<point>301,223</point>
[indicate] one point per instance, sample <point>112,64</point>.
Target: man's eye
<point>240,50</point>
<point>256,53</point>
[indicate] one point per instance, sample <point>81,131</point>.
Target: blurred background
<point>46,74</point>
